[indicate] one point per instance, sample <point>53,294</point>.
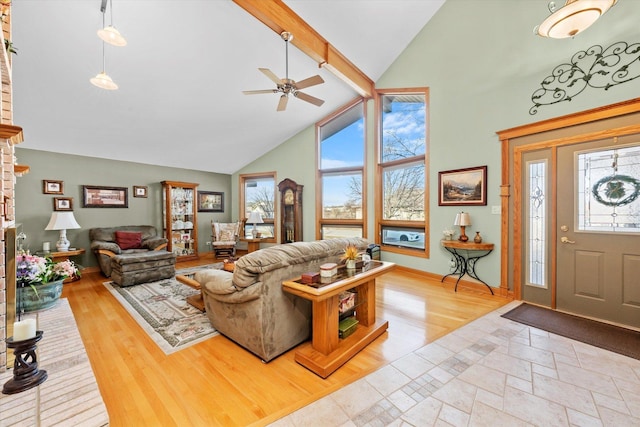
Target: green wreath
<point>614,189</point>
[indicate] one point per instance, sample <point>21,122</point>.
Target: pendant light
<point>109,33</point>
<point>572,18</point>
<point>102,80</point>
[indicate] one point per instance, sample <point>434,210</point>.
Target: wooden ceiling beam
<point>279,17</point>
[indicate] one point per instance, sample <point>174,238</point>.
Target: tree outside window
<point>259,194</point>
<point>341,172</point>
<point>403,170</point>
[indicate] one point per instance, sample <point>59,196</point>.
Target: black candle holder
<point>25,366</point>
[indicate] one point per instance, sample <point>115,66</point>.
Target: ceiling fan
<point>287,86</point>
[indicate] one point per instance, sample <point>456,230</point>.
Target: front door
<point>598,230</point>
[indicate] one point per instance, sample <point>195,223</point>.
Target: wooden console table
<point>466,254</point>
<point>326,352</point>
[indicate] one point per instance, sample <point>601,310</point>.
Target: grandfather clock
<point>290,211</point>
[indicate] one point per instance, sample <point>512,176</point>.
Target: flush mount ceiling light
<point>109,33</point>
<point>572,18</point>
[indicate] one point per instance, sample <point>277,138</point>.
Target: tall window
<point>402,167</point>
<point>341,154</point>
<point>258,193</point>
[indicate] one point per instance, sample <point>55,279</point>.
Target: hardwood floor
<point>217,382</point>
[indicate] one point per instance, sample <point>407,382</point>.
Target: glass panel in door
<point>535,245</point>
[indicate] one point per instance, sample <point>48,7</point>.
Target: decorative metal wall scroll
<point>595,67</point>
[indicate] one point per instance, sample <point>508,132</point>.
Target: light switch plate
<point>495,210</point>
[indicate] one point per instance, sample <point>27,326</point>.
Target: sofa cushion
<point>107,234</point>
<point>226,236</point>
<point>128,239</point>
<point>152,243</point>
<point>218,281</point>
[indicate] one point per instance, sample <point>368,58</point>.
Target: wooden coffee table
<point>326,352</point>
<point>195,300</point>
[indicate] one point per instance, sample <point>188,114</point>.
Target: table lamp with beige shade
<point>62,221</point>
<point>463,219</point>
<point>254,218</point>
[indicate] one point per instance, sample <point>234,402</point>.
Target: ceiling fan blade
<point>311,81</point>
<point>282,104</point>
<point>255,92</point>
<point>267,72</point>
<point>312,99</point>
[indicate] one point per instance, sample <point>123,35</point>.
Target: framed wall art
<point>94,196</point>
<point>210,201</point>
<point>139,191</point>
<point>62,204</point>
<point>463,187</point>
<point>52,187</point>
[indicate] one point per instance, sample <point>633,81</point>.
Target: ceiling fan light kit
<point>288,86</point>
<point>572,18</point>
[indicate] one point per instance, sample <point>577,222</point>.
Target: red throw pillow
<point>128,240</point>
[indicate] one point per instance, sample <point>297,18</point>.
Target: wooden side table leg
<point>325,325</point>
<point>366,313</point>
<point>196,300</point>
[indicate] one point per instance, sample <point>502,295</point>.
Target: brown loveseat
<point>132,254</point>
<point>249,307</point>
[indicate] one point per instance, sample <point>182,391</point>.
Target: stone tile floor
<point>491,372</point>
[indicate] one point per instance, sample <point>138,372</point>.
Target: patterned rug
<point>160,308</point>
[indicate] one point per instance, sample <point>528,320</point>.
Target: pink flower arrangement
<point>34,270</point>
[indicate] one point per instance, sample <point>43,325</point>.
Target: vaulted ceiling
<point>182,73</point>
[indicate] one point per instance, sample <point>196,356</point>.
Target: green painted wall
<point>33,208</point>
<point>481,62</point>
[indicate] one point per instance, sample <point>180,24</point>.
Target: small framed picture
<point>210,201</point>
<point>62,204</point>
<point>52,187</point>
<point>461,187</point>
<point>139,191</point>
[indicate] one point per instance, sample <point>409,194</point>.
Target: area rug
<point>609,337</point>
<point>161,309</point>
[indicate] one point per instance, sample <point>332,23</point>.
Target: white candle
<point>46,247</point>
<point>24,329</point>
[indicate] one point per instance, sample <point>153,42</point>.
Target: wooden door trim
<point>605,112</point>
<point>512,176</point>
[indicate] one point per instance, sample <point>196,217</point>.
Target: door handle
<point>565,239</point>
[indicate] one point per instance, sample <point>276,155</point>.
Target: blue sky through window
<point>345,148</point>
<point>403,129</point>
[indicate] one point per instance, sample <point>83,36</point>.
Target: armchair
<point>109,242</point>
<point>224,238</point>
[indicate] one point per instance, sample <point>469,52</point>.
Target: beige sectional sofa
<point>249,307</point>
